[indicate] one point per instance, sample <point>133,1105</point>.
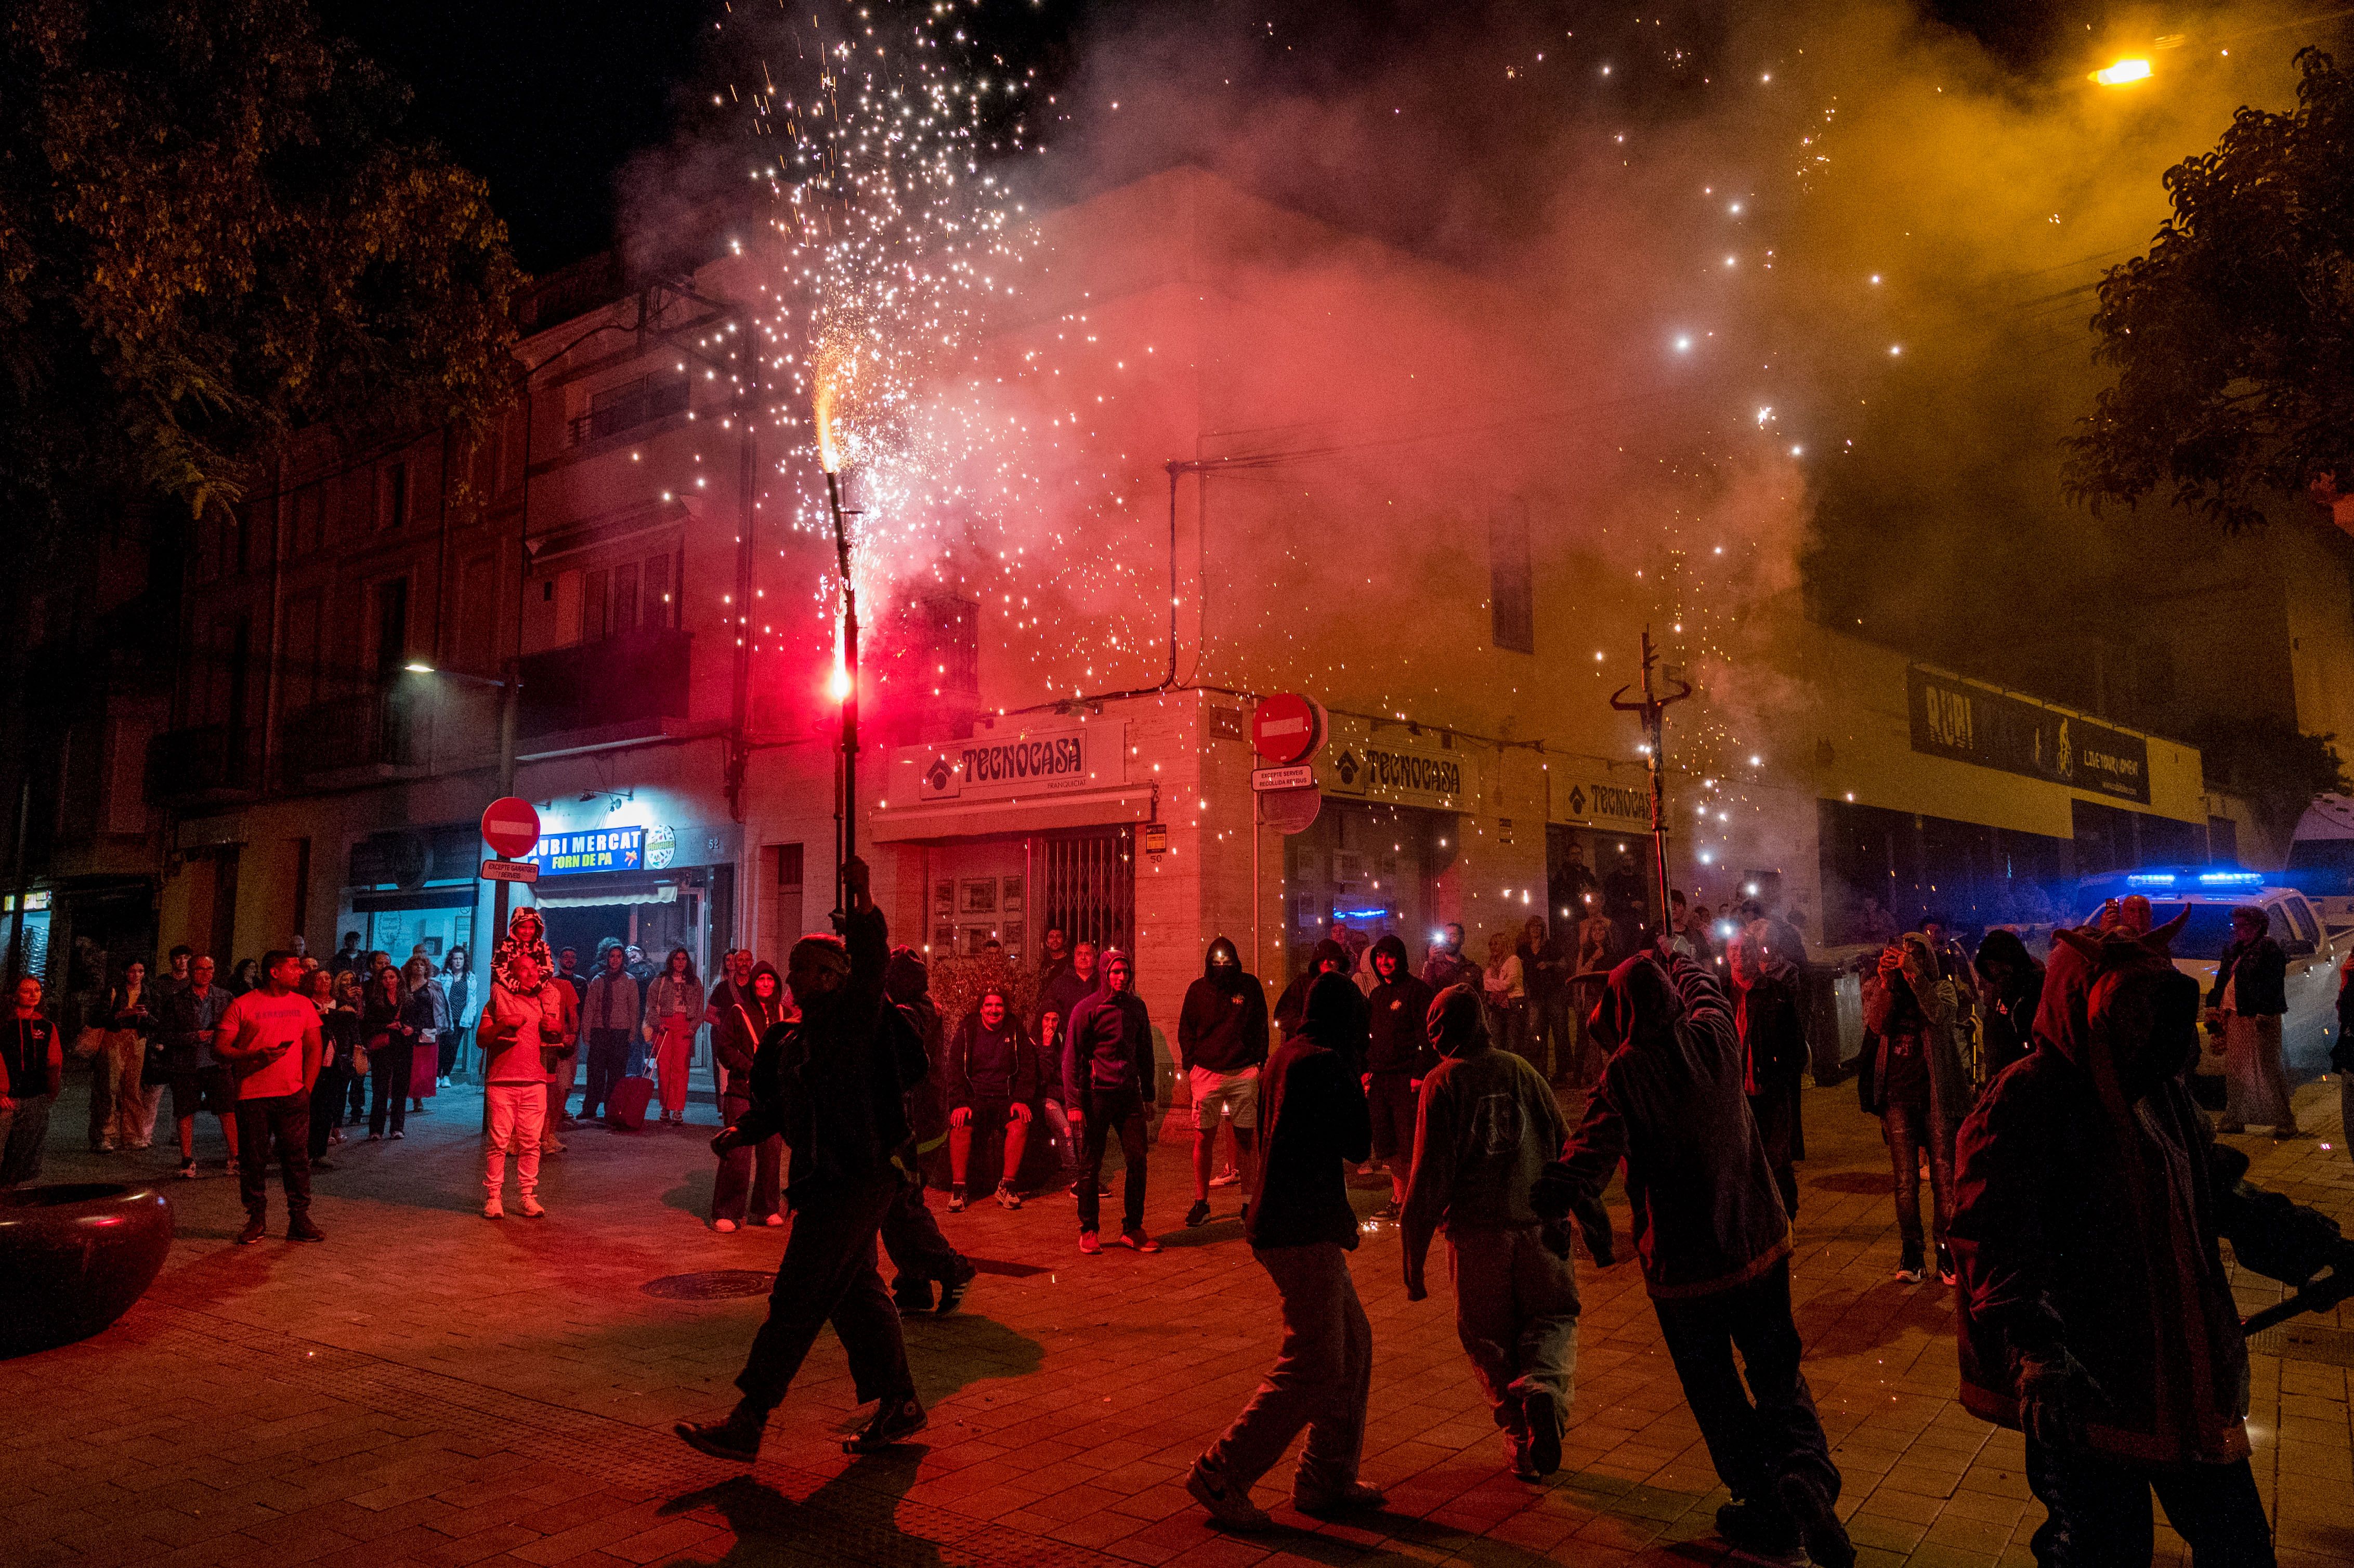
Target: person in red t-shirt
<point>269,1039</point>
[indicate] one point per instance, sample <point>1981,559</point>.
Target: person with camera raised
<point>522,1033</point>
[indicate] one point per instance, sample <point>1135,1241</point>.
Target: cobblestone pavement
<point>433,1388</point>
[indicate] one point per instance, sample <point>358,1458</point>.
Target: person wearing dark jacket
<point>920,1255</point>
<point>1486,1121</point>
<point>1301,1229</point>
<point>1773,1048</point>
<point>2097,1315</point>
<point>834,1083</point>
<point>1327,957</point>
<point>1063,984</point>
<point>746,1191</point>
<point>1107,1084</point>
<point>189,1015</point>
<point>1714,1241</point>
<point>32,1073</point>
<point>391,1043</point>
<point>1918,1089</point>
<point>1397,1055</point>
<point>2010,987</point>
<point>2249,996</point>
<point>992,1076</point>
<point>1221,1045</point>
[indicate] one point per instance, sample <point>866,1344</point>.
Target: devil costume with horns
<point>2096,1316</point>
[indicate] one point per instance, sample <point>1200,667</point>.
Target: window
<point>1510,593</point>
<point>596,618</point>
<point>940,638</point>
<point>629,405</point>
<point>310,511</point>
<point>785,862</point>
<point>395,496</point>
<point>391,627</point>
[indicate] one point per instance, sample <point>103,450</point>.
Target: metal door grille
<point>1086,884</point>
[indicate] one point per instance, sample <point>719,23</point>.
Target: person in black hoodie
<point>1302,1229</point>
<point>992,1075</point>
<point>1327,958</point>
<point>2010,987</point>
<point>1107,1085</point>
<point>834,1082</point>
<point>1397,1058</point>
<point>741,1016</point>
<point>1221,1045</point>
<point>920,1254</point>
<point>1773,1049</point>
<point>2245,1005</point>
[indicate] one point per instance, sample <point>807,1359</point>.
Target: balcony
<point>214,762</point>
<point>618,688</point>
<point>626,409</point>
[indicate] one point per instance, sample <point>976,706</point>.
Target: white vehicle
<point>2321,858</point>
<point>2313,953</point>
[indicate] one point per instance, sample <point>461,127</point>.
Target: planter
<point>74,1256</point>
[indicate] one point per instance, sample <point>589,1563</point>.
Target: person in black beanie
<point>1301,1230</point>
<point>1221,1045</point>
<point>1397,1058</point>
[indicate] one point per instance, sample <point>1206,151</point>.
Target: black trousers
<point>1769,1430</point>
<point>828,1276</point>
<point>1912,1129</point>
<point>608,1053</point>
<point>1109,1110</point>
<point>920,1252</point>
<point>746,1175</point>
<point>359,1088</point>
<point>327,1095</point>
<point>2099,1515</point>
<point>388,1071</point>
<point>1777,1115</point>
<point>284,1119</point>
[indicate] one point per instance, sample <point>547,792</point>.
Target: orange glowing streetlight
<point>2123,73</point>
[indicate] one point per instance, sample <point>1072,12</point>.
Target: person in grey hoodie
<point>1486,1123</point>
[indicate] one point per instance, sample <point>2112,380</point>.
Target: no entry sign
<point>510,827</point>
<point>1287,728</point>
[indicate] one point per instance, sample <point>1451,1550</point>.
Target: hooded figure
<point>1328,956</point>
<point>2096,1314</point>
<point>1773,1048</point>
<point>1709,1225</point>
<point>747,1188</point>
<point>1221,1045</point>
<point>1488,1122</point>
<point>1918,1089</point>
<point>1107,1083</point>
<point>2011,989</point>
<point>1397,1055</point>
<point>920,1252</point>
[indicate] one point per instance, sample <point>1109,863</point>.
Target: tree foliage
<point>2232,339</point>
<point>2272,765</point>
<point>213,232</point>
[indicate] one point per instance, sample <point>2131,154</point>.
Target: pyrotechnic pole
<point>849,795</point>
<point>1653,709</point>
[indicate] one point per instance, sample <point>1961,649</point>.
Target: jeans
<point>1059,1125</point>
<point>452,1046</point>
<point>2098,1513</point>
<point>1107,1109</point>
<point>359,1090</point>
<point>327,1096</point>
<point>388,1070</point>
<point>284,1119</point>
<point>1516,1312</point>
<point>23,1131</point>
<point>828,1276</point>
<point>746,1173</point>
<point>518,1115</point>
<point>1321,1380</point>
<point>1759,1434</point>
<point>609,1053</point>
<point>1909,1132</point>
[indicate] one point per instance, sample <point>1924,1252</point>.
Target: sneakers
<point>1323,1502</point>
<point>302,1230</point>
<point>1227,1177</point>
<point>895,1421</point>
<point>1007,1198</point>
<point>252,1232</point>
<point>1228,1503</point>
<point>1758,1527</point>
<point>774,1220</point>
<point>1948,1274</point>
<point>1089,1244</point>
<point>104,1147</point>
<point>1199,1213</point>
<point>551,1144</point>
<point>399,1135</point>
<point>953,1288</point>
<point>493,1209</point>
<point>1809,1505</point>
<point>1389,1211</point>
<point>378,1138</point>
<point>1909,1270</point>
<point>955,1199</point>
<point>530,1209</point>
<point>1136,1241</point>
<point>737,1438</point>
<point>187,1170</point>
<point>723,1226</point>
<point>1542,1413</point>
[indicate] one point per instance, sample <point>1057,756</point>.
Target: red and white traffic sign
<point>1287,728</point>
<point>510,827</point>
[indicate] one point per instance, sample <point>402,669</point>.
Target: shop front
<point>407,890</point>
<point>657,887</point>
<point>1386,851</point>
<point>1599,858</point>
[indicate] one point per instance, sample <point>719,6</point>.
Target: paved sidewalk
<point>432,1388</point>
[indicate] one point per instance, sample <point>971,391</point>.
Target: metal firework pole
<point>846,840</point>
<point>1653,707</point>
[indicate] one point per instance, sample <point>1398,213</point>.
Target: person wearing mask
<point>2245,1005</point>
<point>269,1039</point>
<point>921,1255</point>
<point>1506,982</point>
<point>425,1008</point>
<point>1713,1242</point>
<point>1917,1088</point>
<point>610,1016</point>
<point>391,1042</point>
<point>523,1033</point>
<point>1108,1087</point>
<point>456,992</point>
<point>130,1019</point>
<point>1773,1048</point>
<point>2011,989</point>
<point>673,1007</point>
<point>747,1009</point>
<point>834,1082</point>
<point>1445,964</point>
<point>992,1076</point>
<point>1398,1058</point>
<point>1221,1045</point>
<point>32,1075</point>
<point>1301,1230</point>
<point>1486,1125</point>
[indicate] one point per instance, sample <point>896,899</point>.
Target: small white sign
<point>1298,777</point>
<point>509,870</point>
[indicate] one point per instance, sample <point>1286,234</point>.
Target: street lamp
<point>510,689</point>
<point>2123,73</point>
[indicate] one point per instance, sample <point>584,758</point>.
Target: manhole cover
<point>713,1285</point>
<point>2297,1341</point>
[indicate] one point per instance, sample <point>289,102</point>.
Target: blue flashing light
<point>1374,914</point>
<point>2231,878</point>
<point>2152,879</point>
